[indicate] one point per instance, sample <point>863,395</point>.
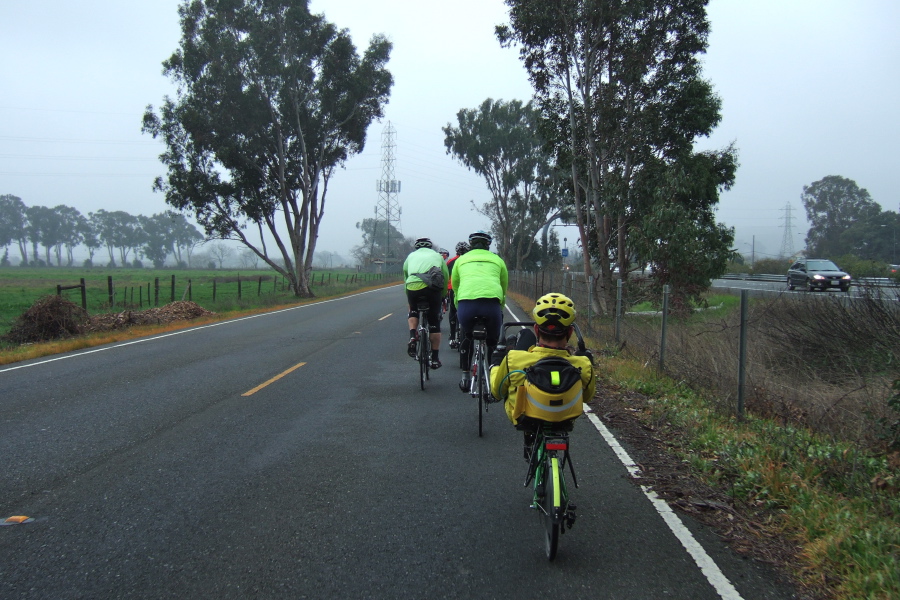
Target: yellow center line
<point>385,316</point>
<point>273,380</point>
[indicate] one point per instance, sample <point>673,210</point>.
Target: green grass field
<point>137,289</point>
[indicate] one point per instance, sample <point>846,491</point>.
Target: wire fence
<point>819,361</point>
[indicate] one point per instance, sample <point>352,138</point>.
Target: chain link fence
<point>820,360</point>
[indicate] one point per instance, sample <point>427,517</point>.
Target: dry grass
<point>823,364</point>
<point>821,361</point>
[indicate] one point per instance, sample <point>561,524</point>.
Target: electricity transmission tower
<point>787,240</point>
<point>387,210</point>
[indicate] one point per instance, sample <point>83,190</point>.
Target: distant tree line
<point>48,236</point>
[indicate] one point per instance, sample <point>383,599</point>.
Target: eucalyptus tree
<point>88,230</point>
<point>381,240</point>
<point>270,100</point>
<point>698,248</point>
<point>118,230</point>
<point>158,238</point>
<point>184,237</point>
<point>621,83</point>
<point>834,204</point>
<point>167,233</point>
<point>69,234</point>
<point>501,142</point>
<point>12,224</point>
<point>39,228</point>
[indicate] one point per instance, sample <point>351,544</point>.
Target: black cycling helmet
<point>462,248</point>
<point>423,243</point>
<point>445,254</point>
<point>480,236</point>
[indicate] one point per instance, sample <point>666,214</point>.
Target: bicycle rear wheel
<point>423,351</point>
<point>479,383</point>
<point>551,507</point>
<point>480,402</point>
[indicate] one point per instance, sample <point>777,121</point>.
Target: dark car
<point>817,274</point>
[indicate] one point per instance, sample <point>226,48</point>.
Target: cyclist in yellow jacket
<point>480,279</point>
<point>553,316</point>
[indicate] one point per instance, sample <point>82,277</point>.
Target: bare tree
<point>220,252</point>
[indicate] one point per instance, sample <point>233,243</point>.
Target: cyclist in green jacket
<point>419,262</point>
<point>480,279</point>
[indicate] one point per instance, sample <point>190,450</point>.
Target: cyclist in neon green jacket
<point>480,279</point>
<point>418,263</point>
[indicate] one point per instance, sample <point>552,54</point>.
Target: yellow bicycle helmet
<point>553,312</point>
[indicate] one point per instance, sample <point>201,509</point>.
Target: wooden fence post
<point>214,289</point>
<point>60,288</point>
<point>239,287</point>
<point>109,285</point>
<point>156,291</point>
<point>173,289</point>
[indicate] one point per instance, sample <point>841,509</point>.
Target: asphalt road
<point>152,469</point>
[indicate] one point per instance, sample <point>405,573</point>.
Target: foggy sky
<point>809,88</point>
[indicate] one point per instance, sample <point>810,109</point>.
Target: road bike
<point>548,459</point>
<point>423,344</point>
<point>479,386</point>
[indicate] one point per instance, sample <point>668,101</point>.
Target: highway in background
<point>772,285</point>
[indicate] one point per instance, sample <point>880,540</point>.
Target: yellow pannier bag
<point>552,391</point>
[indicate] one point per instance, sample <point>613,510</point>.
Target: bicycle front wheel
<point>552,506</point>
<point>423,366</point>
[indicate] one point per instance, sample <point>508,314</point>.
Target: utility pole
<point>388,207</point>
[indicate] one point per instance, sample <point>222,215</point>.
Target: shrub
<point>858,267</point>
<point>771,266</point>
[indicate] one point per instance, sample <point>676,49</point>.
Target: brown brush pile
<point>54,318</point>
<point>174,311</point>
<point>49,318</point>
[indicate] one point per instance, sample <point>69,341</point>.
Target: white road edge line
<point>189,330</point>
<point>707,565</point>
